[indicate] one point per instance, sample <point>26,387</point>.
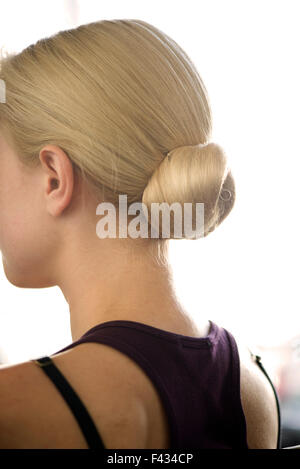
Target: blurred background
<point>243,276</point>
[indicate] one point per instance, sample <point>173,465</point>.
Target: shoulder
<point>258,402</point>
<point>33,413</point>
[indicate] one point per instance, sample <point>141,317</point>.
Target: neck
<point>115,284</point>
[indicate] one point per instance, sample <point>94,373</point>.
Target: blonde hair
<point>118,96</point>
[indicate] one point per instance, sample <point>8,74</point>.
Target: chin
<point>23,278</point>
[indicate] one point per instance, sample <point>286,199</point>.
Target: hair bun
<point>194,174</point>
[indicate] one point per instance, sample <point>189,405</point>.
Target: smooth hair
<point>128,107</point>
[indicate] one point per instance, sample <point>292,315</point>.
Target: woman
<point>109,109</point>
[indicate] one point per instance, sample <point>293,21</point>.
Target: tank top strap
<point>235,390</point>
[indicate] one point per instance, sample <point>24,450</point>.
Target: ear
<point>59,176</point>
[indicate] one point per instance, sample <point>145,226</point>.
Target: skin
<point>48,237</point>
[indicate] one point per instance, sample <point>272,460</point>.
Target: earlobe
<point>59,176</point>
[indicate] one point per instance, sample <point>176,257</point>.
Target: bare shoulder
<point>33,413</point>
<point>258,402</point>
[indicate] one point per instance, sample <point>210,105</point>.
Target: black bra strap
<point>258,361</point>
<point>82,416</point>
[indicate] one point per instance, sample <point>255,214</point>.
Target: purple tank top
<point>198,379</point>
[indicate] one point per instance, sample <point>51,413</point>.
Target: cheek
<point>23,238</point>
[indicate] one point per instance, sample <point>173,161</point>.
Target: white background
<point>244,276</point>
